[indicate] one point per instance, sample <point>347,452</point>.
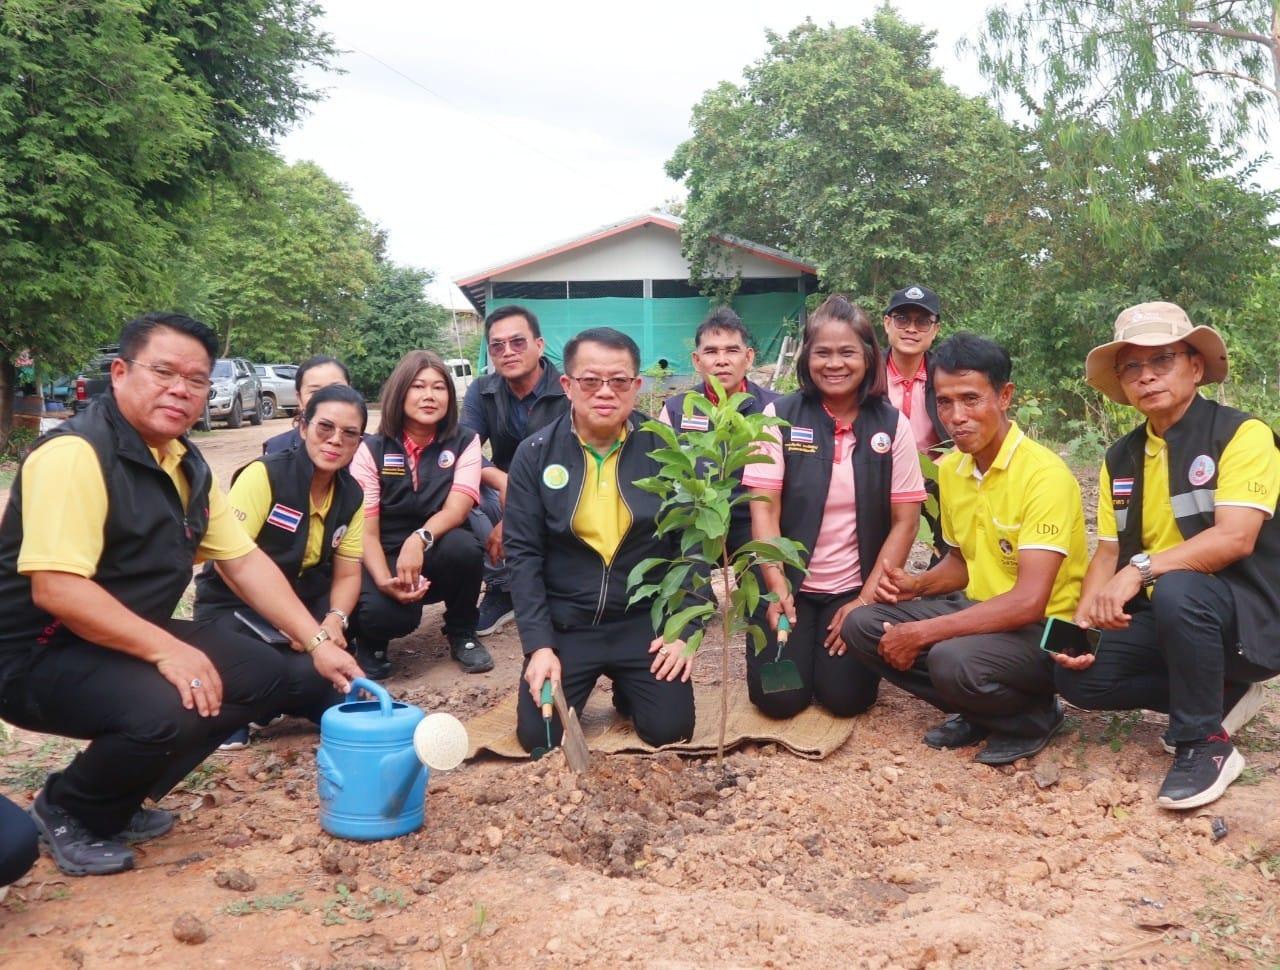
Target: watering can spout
<point>399,772</point>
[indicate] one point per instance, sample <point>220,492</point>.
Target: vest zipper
<point>608,565</point>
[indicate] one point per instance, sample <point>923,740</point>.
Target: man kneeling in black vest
<point>1185,582</point>
<point>576,525</point>
<point>106,518</point>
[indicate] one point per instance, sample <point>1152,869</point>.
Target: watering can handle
<point>377,690</point>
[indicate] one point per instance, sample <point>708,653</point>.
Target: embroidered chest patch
<point>393,464</point>
<point>283,517</point>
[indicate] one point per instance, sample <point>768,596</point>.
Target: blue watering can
<point>372,784</point>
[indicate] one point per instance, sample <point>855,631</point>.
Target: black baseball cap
<point>915,295</point>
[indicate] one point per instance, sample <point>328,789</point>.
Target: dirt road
<point>888,854</point>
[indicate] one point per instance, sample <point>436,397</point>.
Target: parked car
<point>94,378</point>
<point>278,392</point>
<point>236,392</point>
<point>460,371</point>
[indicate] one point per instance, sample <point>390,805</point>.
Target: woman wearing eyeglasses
<point>304,510</point>
<point>844,479</point>
<point>421,478</point>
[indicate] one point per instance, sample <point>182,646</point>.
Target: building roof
<point>473,284</point>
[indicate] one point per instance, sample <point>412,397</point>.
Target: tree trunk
<point>8,383</point>
<point>226,341</point>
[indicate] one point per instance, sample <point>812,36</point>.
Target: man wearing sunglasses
<point>106,518</point>
<point>911,324</point>
<point>1185,582</point>
<point>522,395</point>
<point>577,525</point>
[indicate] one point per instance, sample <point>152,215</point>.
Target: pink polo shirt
<point>834,566</point>
<point>907,394</point>
<point>466,472</point>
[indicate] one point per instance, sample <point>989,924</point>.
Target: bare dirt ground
<point>888,854</point>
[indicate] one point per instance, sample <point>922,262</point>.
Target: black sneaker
<point>1201,772</point>
<point>146,824</point>
<point>374,663</point>
<point>955,732</point>
<point>496,611</point>
<point>1005,749</point>
<point>471,653</point>
<point>76,850</point>
<point>237,740</point>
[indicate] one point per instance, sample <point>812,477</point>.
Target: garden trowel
<point>547,703</point>
<point>573,742</point>
<point>779,675</point>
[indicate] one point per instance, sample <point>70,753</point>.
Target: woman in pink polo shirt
<point>844,479</point>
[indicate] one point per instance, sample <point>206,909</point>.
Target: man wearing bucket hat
<point>1185,582</point>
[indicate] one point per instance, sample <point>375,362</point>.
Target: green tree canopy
<point>845,146</point>
<point>398,318</point>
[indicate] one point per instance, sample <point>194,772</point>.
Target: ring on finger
<point>196,683</point>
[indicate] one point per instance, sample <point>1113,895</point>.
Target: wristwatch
<point>1142,563</point>
<point>341,616</point>
<point>321,636</point>
<point>428,540</point>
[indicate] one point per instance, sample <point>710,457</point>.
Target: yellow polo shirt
<point>602,517</point>
<point>1028,499</point>
<point>252,501</point>
<point>64,509</point>
<point>1248,476</point>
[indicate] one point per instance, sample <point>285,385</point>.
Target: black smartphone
<point>1064,637</point>
<point>263,630</point>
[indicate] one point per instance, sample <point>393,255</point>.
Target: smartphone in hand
<point>1064,637</point>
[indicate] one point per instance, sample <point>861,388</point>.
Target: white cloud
<point>473,132</point>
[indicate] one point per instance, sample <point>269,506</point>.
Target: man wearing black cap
<point>910,326</point>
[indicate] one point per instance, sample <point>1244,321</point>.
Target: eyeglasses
<point>1160,365</point>
<point>904,322</point>
<point>619,385</point>
<point>168,377</point>
<point>328,429</point>
<point>518,345</point>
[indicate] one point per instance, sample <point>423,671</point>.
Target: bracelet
<point>341,615</point>
<point>321,636</point>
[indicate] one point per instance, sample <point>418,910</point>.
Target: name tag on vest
<point>283,517</point>
<point>393,464</point>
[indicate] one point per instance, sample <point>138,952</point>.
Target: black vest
<point>495,399</point>
<point>403,508</point>
<point>150,540</point>
<point>754,404</point>
<point>289,473</point>
<point>1204,431</point>
<point>808,450</point>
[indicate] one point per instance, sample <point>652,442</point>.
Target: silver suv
<point>235,393</point>
<point>278,391</point>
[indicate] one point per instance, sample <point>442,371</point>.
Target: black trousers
<point>454,566</point>
<point>840,684</point>
<point>1000,681</point>
<point>1180,655</point>
<point>142,740</point>
<point>662,711</point>
<point>19,842</point>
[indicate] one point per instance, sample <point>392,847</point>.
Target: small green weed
<point>344,906</point>
<point>481,915</point>
<point>1120,727</point>
<point>1251,776</point>
<point>267,904</point>
<point>203,777</point>
<point>389,897</point>
<point>29,774</point>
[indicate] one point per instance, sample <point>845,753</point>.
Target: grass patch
<point>203,777</point>
<point>344,906</point>
<point>7,474</point>
<point>1251,776</point>
<point>29,774</point>
<point>267,904</point>
<point>1120,727</point>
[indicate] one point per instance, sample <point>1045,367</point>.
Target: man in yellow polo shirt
<point>576,525</point>
<point>1014,527</point>
<point>1186,516</point>
<point>105,520</point>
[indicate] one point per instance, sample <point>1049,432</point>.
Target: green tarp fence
<point>663,328</point>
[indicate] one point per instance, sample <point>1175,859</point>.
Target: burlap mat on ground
<point>812,734</point>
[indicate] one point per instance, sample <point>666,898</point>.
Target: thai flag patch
<point>802,435</point>
<point>393,464</point>
<point>283,517</point>
<point>694,422</point>
<point>1122,487</point>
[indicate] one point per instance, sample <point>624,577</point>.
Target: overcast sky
<point>478,131</point>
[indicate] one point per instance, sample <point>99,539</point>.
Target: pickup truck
<point>236,391</point>
<point>279,394</point>
<point>93,379</point>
